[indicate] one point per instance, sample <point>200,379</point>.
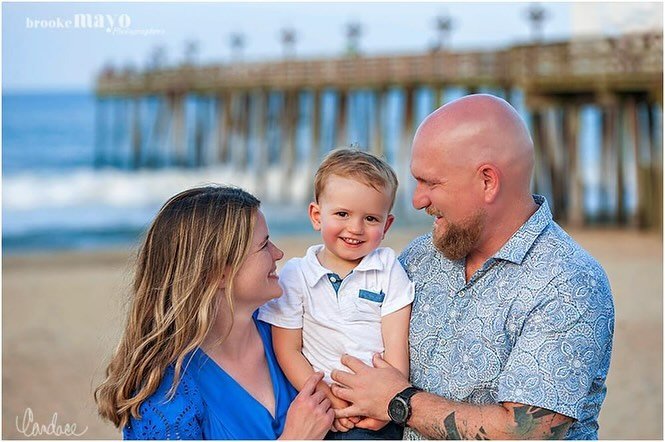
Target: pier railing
<point>615,63</point>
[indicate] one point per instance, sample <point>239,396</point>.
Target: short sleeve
<point>561,357</point>
<point>162,418</point>
<point>400,290</point>
<point>287,310</point>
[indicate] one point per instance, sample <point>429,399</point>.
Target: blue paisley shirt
<point>533,325</point>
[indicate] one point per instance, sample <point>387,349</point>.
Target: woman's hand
<point>310,414</point>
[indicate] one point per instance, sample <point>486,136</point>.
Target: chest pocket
<point>368,304</point>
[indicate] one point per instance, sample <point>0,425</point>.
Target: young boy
<point>346,295</point>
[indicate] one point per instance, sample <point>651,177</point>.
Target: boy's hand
<point>369,423</point>
<point>342,424</point>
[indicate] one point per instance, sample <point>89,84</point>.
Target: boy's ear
<point>315,216</point>
<point>389,222</point>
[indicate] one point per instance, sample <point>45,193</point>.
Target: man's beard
<point>458,240</point>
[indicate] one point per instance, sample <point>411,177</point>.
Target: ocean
<point>55,199</point>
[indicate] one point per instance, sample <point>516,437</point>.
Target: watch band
<point>408,392</point>
<point>403,398</point>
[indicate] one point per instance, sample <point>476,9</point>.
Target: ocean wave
<point>123,189</point>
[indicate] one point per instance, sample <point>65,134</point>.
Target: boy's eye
<point>372,219</point>
<point>342,214</point>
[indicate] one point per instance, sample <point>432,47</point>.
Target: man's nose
<point>420,198</point>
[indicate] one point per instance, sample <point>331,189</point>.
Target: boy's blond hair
<point>358,165</point>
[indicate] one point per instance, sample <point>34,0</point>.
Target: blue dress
<point>210,404</point>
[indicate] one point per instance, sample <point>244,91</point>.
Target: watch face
<point>397,410</point>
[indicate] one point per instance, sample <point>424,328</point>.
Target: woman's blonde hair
<point>199,237</point>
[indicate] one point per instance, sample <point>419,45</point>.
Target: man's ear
<point>491,184</point>
<point>389,222</point>
<point>315,216</point>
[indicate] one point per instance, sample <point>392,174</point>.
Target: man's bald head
<point>481,129</point>
<point>472,160</point>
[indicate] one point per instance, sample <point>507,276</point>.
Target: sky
<point>39,55</point>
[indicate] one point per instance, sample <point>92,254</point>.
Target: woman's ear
<point>315,216</point>
<point>222,282</point>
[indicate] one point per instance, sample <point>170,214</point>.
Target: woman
<point>194,362</point>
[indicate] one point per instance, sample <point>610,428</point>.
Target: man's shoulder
<point>571,268</point>
<point>559,248</point>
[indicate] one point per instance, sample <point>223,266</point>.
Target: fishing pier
<point>286,114</point>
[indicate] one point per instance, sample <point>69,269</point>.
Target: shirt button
<point>332,279</point>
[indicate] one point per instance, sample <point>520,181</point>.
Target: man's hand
<point>369,389</point>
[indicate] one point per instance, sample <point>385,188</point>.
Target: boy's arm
<point>287,344</point>
<point>395,332</point>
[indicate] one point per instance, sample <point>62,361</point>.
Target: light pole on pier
<point>444,25</point>
<point>353,33</point>
<point>191,52</point>
<point>237,45</point>
<point>157,58</point>
<point>288,37</point>
<point>537,15</point>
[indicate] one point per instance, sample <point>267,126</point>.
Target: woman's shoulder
<point>169,417</point>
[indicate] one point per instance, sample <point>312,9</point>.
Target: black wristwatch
<point>399,408</point>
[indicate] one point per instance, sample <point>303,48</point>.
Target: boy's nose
<point>356,226</point>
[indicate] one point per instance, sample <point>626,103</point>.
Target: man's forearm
<point>439,418</point>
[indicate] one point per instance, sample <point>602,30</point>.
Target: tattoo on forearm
<point>449,424</point>
<point>526,418</point>
<point>529,418</point>
<point>481,435</point>
<point>529,423</point>
<point>559,432</point>
<point>446,430</point>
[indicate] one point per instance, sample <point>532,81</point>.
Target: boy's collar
<point>315,271</point>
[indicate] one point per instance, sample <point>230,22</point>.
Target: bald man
<point>512,323</point>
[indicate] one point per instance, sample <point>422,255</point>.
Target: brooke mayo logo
<point>108,22</point>
<point>102,21</point>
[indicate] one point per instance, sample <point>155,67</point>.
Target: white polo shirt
<point>339,316</point>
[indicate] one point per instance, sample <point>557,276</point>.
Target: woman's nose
<point>277,252</point>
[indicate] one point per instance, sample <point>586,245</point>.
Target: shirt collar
<point>520,243</point>
<point>315,271</point>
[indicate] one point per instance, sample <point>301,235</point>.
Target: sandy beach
<point>63,313</point>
